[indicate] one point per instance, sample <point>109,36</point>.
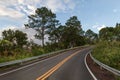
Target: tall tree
<point>56,34</point>
<point>72,32</point>
<point>41,21</point>
<point>53,31</point>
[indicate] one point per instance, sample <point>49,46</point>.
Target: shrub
<point>108,53</point>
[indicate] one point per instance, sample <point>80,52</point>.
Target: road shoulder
<point>99,72</point>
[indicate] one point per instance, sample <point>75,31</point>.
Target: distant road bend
<point>66,66</point>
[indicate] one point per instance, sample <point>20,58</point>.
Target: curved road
<point>66,66</point>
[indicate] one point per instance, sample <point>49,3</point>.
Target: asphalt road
<point>72,69</point>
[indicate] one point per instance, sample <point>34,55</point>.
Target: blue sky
<point>93,14</point>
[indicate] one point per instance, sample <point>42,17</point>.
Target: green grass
<point>17,55</point>
<point>108,53</point>
<point>22,53</point>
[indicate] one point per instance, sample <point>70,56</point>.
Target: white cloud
<point>8,2</point>
<point>98,27</point>
<point>70,4</point>
<point>18,8</point>
<point>30,32</point>
<point>20,1</point>
<point>54,5</point>
<point>10,27</point>
<point>9,12</point>
<point>59,5</point>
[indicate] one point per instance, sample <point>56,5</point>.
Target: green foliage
<point>69,35</point>
<point>54,33</point>
<point>107,34</point>
<point>72,34</point>
<point>117,31</point>
<point>73,22</point>
<point>44,22</point>
<point>38,51</point>
<point>8,35</point>
<point>108,53</point>
<point>11,45</point>
<point>5,47</point>
<point>110,33</point>
<point>21,38</point>
<point>91,36</point>
<point>18,54</point>
<point>41,21</point>
<point>15,37</point>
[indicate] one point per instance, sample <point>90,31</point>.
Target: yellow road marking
<point>52,70</point>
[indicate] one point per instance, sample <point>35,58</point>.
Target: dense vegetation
<point>108,53</point>
<point>15,44</point>
<point>108,48</point>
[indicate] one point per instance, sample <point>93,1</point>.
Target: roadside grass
<point>23,53</point>
<point>108,53</point>
<point>19,53</point>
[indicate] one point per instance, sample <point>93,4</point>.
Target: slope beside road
<point>72,69</point>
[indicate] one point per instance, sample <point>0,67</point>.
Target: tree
<point>56,34</point>
<point>117,31</point>
<point>8,35</point>
<point>16,37</point>
<point>71,37</point>
<point>41,21</point>
<point>74,22</point>
<point>91,36</point>
<point>72,32</point>
<point>107,34</point>
<point>21,38</point>
<point>5,47</point>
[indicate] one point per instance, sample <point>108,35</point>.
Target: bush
<point>38,51</point>
<point>108,53</point>
<point>5,48</point>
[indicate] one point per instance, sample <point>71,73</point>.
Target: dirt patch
<point>100,73</point>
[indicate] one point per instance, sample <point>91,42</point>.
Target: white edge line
<point>88,67</point>
<point>2,74</point>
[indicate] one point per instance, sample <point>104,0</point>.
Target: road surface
<point>66,66</point>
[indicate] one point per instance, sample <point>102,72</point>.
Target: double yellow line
<point>52,70</point>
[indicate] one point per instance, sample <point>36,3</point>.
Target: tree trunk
<point>43,41</point>
<point>43,36</point>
